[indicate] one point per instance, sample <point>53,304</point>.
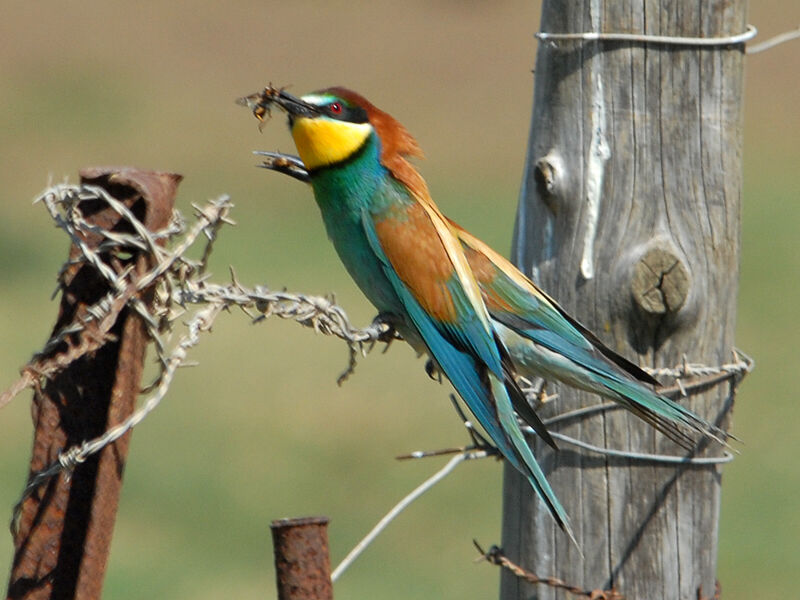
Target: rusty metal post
<point>64,531</point>
<point>302,563</point>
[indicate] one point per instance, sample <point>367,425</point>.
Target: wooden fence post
<point>629,216</point>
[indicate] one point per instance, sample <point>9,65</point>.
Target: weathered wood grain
<point>629,216</point>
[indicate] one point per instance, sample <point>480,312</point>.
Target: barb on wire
<point>701,376</point>
<point>479,442</point>
<point>495,556</point>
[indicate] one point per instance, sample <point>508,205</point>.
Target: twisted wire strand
<point>181,283</point>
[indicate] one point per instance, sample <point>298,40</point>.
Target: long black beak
<point>261,103</point>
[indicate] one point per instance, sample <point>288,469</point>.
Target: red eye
<point>336,108</point>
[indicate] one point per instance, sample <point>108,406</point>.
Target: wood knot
<point>660,283</point>
<point>548,173</point>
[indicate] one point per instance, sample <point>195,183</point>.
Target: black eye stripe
<point>345,112</point>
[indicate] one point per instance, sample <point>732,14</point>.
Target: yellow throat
<point>322,142</point>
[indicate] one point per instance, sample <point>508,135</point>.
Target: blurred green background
<point>261,431</point>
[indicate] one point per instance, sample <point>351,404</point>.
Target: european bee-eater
<point>448,294</point>
<point>543,340</point>
<point>403,255</point>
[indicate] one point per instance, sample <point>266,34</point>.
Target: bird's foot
<point>386,321</point>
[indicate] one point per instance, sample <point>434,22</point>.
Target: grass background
<point>261,431</point>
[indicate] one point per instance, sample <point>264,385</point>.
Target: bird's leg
<point>284,163</point>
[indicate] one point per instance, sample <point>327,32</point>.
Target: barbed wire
<point>180,283</point>
<point>496,557</point>
<point>481,448</point>
<point>319,313</point>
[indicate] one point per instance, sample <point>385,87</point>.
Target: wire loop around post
<point>697,376</point>
<point>668,40</point>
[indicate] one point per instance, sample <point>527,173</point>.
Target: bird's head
<point>334,124</point>
<point>328,127</point>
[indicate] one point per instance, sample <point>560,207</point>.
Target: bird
<point>402,253</point>
<point>481,321</point>
<point>543,340</point>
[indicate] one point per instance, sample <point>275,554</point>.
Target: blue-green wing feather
<point>543,322</point>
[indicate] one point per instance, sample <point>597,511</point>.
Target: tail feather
<point>664,414</point>
<point>488,399</point>
<point>527,464</point>
<point>593,371</point>
<point>518,399</point>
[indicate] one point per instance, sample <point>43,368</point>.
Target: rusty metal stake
<point>302,563</point>
<point>65,528</point>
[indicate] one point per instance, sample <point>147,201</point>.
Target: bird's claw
<point>386,321</point>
